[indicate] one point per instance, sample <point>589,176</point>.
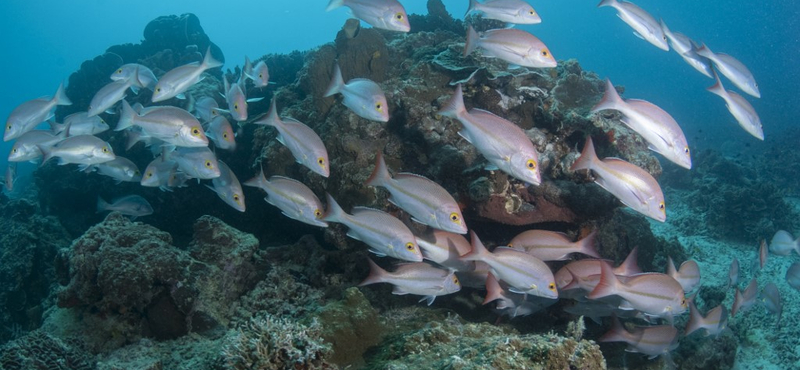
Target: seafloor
<point>198,285</point>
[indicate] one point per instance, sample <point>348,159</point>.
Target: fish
<point>107,96</point>
<point>656,295</point>
<point>652,341</point>
<point>504,144</point>
<point>793,275</point>
<point>418,278</point>
<point>304,144</point>
<point>120,169</point>
<point>553,246</point>
<point>172,125</point>
<point>744,299</point>
<point>740,108</point>
<point>28,115</point>
<point>596,310</point>
<point>688,275</point>
<point>81,149</point>
<point>733,274</point>
<point>713,323</point>
<point>509,11</point>
<point>206,108</point>
<point>159,173</point>
<point>221,133</point>
<point>130,205</point>
<point>10,177</point>
<point>80,124</point>
<point>175,82</point>
<point>364,97</point>
<point>657,127</point>
<point>384,14</point>
<point>685,47</point>
<point>763,253</point>
<point>511,45</point>
<point>783,243</point>
<point>382,232</point>
<point>475,278</point>
<point>236,99</point>
<point>644,25</point>
<point>513,304</point>
<point>292,197</point>
<point>444,248</point>
<point>197,163</point>
<point>733,69</point>
<point>633,186</point>
<point>525,274</point>
<point>227,187</point>
<point>426,201</point>
<point>145,79</point>
<point>259,73</point>
<point>771,298</point>
<point>587,272</point>
<point>26,147</point>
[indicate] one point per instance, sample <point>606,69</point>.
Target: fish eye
<point>260,75</point>
<point>119,71</point>
<point>552,287</point>
<point>545,53</point>
<point>454,217</point>
<point>399,16</point>
<point>8,127</point>
<point>531,164</point>
<point>137,173</point>
<point>321,161</point>
<point>661,206</point>
<point>531,12</point>
<point>236,106</point>
<point>455,280</point>
<point>196,131</point>
<point>378,107</point>
<point>158,89</point>
<point>225,136</point>
<point>209,164</point>
<point>105,149</point>
<point>317,213</point>
<point>213,112</point>
<point>14,150</point>
<point>149,174</point>
<point>410,246</point>
<point>664,37</point>
<point>236,198</point>
<point>686,150</point>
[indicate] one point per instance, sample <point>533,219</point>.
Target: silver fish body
<point>26,147</point>
<point>237,101</point>
<point>783,243</point>
<point>733,274</point>
<point>80,124</point>
<point>446,248</point>
<point>512,45</point>
<point>10,177</point>
<point>197,163</point>
<point>384,233</point>
<point>172,125</point>
<point>585,273</point>
<point>510,11</point>
<point>771,299</point>
<point>107,96</point>
<point>418,278</point>
<point>131,205</point>
<point>364,97</point>
<point>120,169</point>
<point>733,69</point>
<point>793,276</point>
<point>304,144</point>
<point>385,14</point>
<point>654,294</point>
<point>259,73</point>
<point>744,299</point>
<point>228,188</point>
<point>179,79</point>
<point>159,173</point>
<point>513,304</point>
<point>501,142</point>
<point>28,115</point>
<point>633,186</point>
<point>740,108</point>
<point>688,275</point>
<point>553,246</point>
<point>713,323</point>
<point>221,133</point>
<point>292,197</point>
<point>685,47</point>
<point>81,149</point>
<point>644,25</point>
<point>205,108</point>
<point>146,78</point>
<point>648,340</point>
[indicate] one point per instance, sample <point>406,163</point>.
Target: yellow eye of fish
<point>236,106</point>
<point>531,12</point>
<point>196,131</point>
<point>454,217</point>
<point>105,150</point>
<point>8,127</point>
<point>378,107</point>
<point>545,53</point>
<point>455,280</point>
<point>552,286</point>
<point>531,164</point>
<point>208,164</point>
<point>149,174</point>
<point>661,206</point>
<point>321,161</point>
<point>236,198</point>
<point>686,150</point>
<point>410,246</point>
<point>317,213</point>
<point>399,16</point>
<point>158,89</point>
<point>13,150</point>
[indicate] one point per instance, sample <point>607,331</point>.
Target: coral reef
<point>351,326</point>
<point>41,351</point>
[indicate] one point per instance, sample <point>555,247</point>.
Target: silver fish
<point>170,124</point>
<point>771,298</point>
<point>237,101</point>
<point>502,143</point>
<point>26,147</point>
<point>654,294</point>
<point>733,69</point>
<point>633,186</point>
<point>525,274</point>
<point>206,108</point>
<point>417,278</point>
<point>553,246</point>
<point>364,97</point>
<point>10,177</point>
<point>28,115</point>
<point>385,234</point>
<point>146,79</point>
<point>130,205</point>
<point>426,201</point>
<point>793,275</point>
<point>652,341</point>
<point>510,11</point>
<point>733,274</point>
<point>107,96</point>
<point>512,45</point>
<point>713,323</point>
<point>120,169</point>
<point>385,14</point>
<point>178,80</point>
<point>688,275</point>
<point>783,243</point>
<point>513,304</point>
<point>81,149</point>
<point>740,108</point>
<point>643,24</point>
<point>221,133</point>
<point>744,299</point>
<point>80,124</point>
<point>305,145</point>
<point>585,273</point>
<point>259,73</point>
<point>685,47</point>
<point>293,198</point>
<point>228,188</point>
<point>197,163</point>
<point>445,248</point>
<point>662,133</point>
<point>159,173</point>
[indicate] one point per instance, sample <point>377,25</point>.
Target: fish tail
<point>336,82</point>
<point>703,51</point>
<point>478,252</point>
<point>133,138</point>
<point>671,270</point>
<point>695,320</point>
<point>493,289</point>
<point>472,41</point>
<point>607,3</point>
<point>717,88</point>
<point>126,118</point>
<point>57,128</point>
<point>737,302</point>
<point>454,108</point>
<point>271,119</point>
<point>334,4</point>
<point>248,68</point>
<point>617,333</point>
<point>209,61</point>
<point>47,153</point>
<point>610,100</point>
<point>573,283</point>
<point>102,205</point>
<point>587,245</point>
<point>334,213</point>
<point>61,97</point>
<point>376,274</point>
<point>588,157</point>
<point>631,265</point>
<point>473,6</point>
<point>380,175</point>
<point>797,245</point>
<point>260,181</point>
<point>608,285</point>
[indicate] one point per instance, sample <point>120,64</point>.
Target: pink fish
<point>511,45</point>
<point>553,246</point>
<point>445,248</point>
<point>513,304</point>
<point>713,323</point>
<point>746,298</point>
<point>733,274</point>
<point>415,278</point>
<point>648,340</point>
<point>654,294</point>
<point>688,275</point>
<point>587,272</point>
